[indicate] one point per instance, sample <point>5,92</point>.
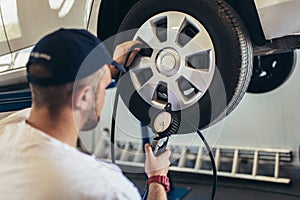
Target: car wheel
<point>197,56</point>
<point>271,71</point>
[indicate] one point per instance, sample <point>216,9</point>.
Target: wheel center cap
<point>168,62</point>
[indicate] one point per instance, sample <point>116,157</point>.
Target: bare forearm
<point>156,191</point>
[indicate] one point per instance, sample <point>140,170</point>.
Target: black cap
<point>69,54</point>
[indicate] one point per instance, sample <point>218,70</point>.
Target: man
<point>68,72</point>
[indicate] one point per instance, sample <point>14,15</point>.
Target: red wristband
<point>163,180</point>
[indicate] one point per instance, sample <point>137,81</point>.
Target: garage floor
<point>230,188</point>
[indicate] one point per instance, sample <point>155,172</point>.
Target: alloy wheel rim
<point>180,62</point>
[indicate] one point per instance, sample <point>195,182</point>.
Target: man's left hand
<point>125,52</point>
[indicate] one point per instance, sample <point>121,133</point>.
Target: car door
<point>27,21</point>
<point>23,23</point>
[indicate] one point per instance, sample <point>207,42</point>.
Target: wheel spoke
<point>199,79</point>
<point>175,22</point>
<point>198,44</point>
<point>148,89</point>
<point>148,34</point>
<point>142,72</point>
<point>143,63</point>
<point>175,96</point>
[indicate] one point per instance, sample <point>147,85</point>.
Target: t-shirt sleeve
<point>110,183</point>
<point>122,188</point>
<point>93,180</point>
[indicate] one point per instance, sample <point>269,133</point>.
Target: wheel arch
<point>110,9</point>
<point>249,15</point>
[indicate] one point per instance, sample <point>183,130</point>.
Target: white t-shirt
<point>36,166</point>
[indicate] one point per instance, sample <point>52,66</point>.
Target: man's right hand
<point>156,165</point>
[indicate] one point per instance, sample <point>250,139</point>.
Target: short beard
<point>91,121</point>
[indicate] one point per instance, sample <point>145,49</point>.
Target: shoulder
<point>16,117</point>
<point>12,129</point>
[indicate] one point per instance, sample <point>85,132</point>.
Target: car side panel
<point>279,18</point>
<point>25,22</point>
<point>34,19</point>
<point>5,58</point>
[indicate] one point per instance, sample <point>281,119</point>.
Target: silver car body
<point>279,18</point>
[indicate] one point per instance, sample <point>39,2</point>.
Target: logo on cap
<point>40,55</point>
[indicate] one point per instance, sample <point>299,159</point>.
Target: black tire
<point>233,60</point>
<point>271,71</point>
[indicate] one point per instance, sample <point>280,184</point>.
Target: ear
<point>82,98</point>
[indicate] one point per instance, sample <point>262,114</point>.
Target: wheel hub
<point>168,62</point>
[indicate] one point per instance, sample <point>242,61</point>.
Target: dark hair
<point>53,98</point>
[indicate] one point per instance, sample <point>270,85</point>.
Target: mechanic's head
<point>68,72</point>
